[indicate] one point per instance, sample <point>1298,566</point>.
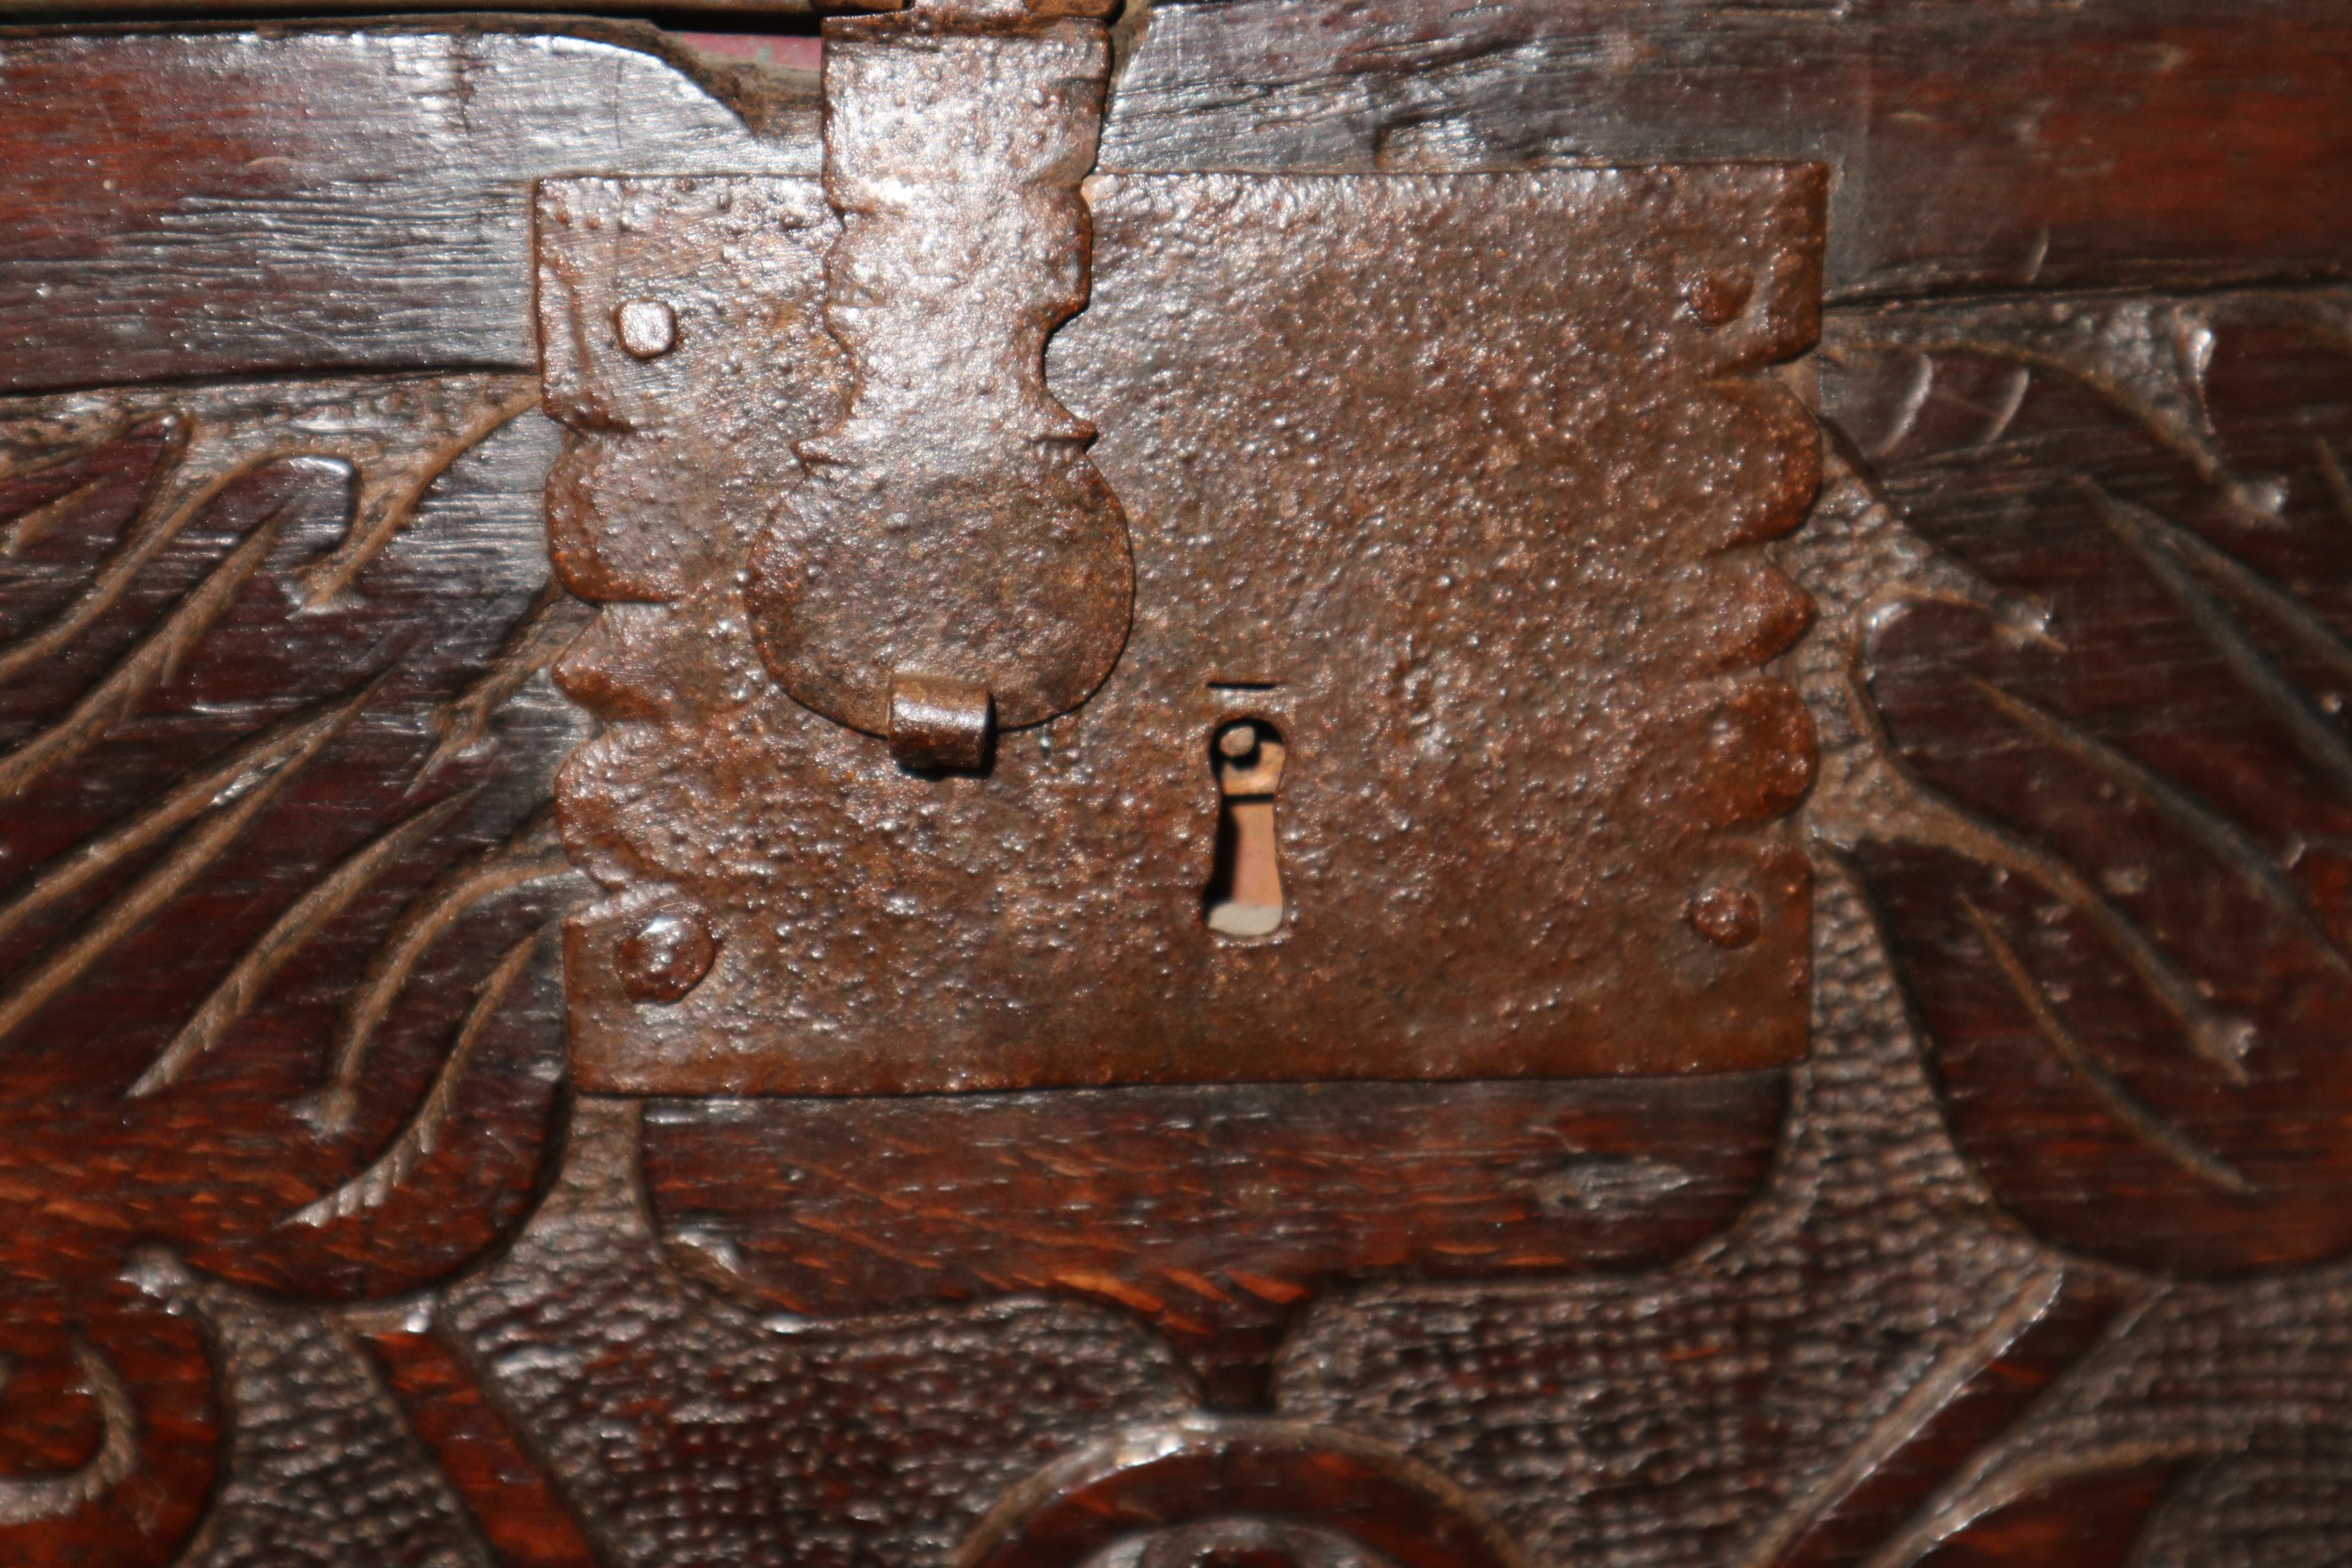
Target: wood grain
<point>332,196</point>
<point>2038,1258</point>
<point>2146,143</point>
<point>1210,1213</point>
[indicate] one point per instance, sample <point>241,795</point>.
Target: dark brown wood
<point>2153,143</point>
<point>2164,745</point>
<point>314,1250</point>
<point>304,198</point>
<point>225,807</point>
<point>1136,1197</point>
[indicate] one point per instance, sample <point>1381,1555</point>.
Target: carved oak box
<point>1248,783</point>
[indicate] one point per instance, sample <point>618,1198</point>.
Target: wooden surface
<point>310,1254</point>
<point>233,204</point>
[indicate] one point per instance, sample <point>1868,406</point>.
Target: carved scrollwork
<point>262,760</point>
<point>2039,1249</point>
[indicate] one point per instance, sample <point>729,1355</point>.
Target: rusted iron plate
<point>950,527</point>
<point>1449,485</point>
<point>683,384</point>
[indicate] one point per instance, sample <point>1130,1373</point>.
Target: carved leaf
<point>2127,918</point>
<point>273,718</point>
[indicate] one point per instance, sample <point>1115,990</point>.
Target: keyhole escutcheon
<point>1243,897</point>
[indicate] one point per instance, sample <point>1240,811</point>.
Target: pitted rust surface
<point>669,453</point>
<point>1453,485</point>
<point>950,527</point>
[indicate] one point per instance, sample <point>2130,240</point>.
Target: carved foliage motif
<point>2133,955</point>
<point>2048,1263</point>
<point>272,992</point>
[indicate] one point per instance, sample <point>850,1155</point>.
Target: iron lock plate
<point>1450,487</point>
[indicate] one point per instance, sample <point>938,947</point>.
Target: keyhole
<point>1244,893</point>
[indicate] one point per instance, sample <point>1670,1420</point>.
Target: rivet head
<point>1725,916</point>
<point>1718,297</point>
<point>649,327</point>
<point>666,956</point>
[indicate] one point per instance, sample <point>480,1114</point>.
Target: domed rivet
<point>666,956</point>
<point>1719,296</point>
<point>649,327</point>
<point>1725,916</point>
